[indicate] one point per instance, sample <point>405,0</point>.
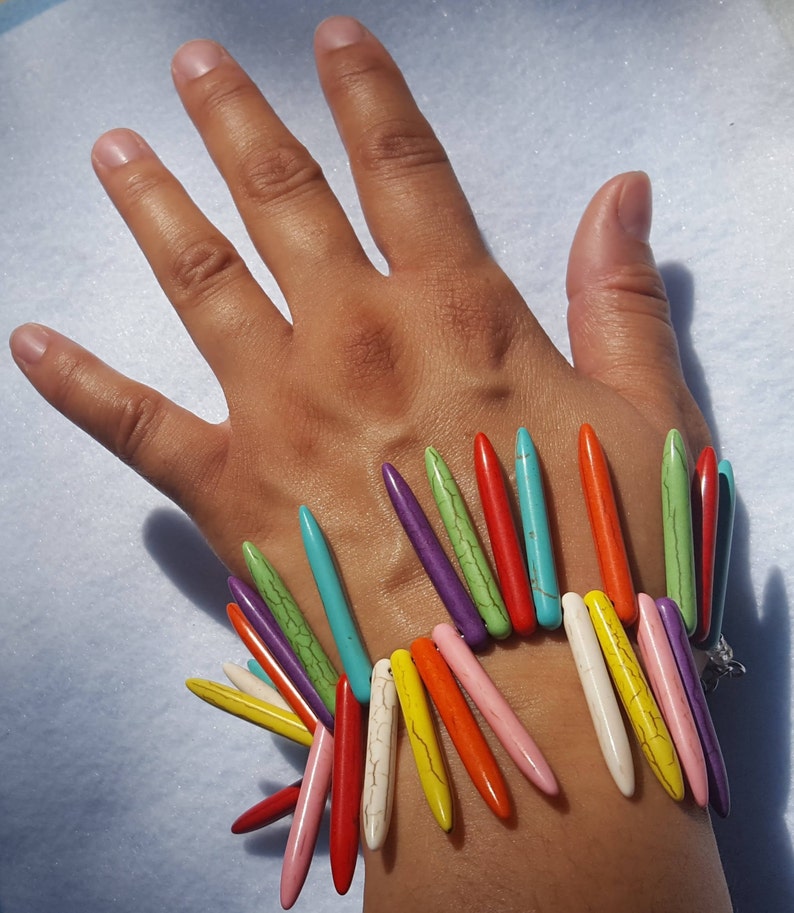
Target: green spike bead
<point>466,544</point>
<point>295,627</point>
<point>679,552</point>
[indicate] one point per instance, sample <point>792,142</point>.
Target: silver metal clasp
<point>720,663</point>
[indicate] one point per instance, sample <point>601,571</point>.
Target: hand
<point>374,368</point>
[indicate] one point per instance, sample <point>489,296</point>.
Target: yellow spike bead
<point>632,687</point>
<point>268,716</point>
<point>422,734</point>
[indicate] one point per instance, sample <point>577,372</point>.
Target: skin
<point>375,368</point>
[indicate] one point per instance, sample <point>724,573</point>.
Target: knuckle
<point>394,146</point>
<point>368,350</point>
<point>638,279</point>
<point>140,188</point>
<point>71,383</point>
<point>222,95</point>
<point>366,364</point>
<point>478,311</point>
<point>201,267</point>
<point>124,422</point>
<point>139,416</point>
<point>354,77</point>
<point>283,172</point>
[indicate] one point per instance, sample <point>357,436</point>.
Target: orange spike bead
<point>462,726</point>
<point>605,526</point>
<point>265,658</point>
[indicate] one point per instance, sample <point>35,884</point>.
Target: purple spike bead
<point>434,560</point>
<point>719,790</point>
<point>257,612</point>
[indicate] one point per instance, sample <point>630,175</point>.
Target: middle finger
<point>414,206</point>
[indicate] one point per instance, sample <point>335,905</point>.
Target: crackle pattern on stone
<point>274,719</point>
<point>644,714</point>
<point>679,554</point>
<point>423,738</point>
<point>665,679</point>
<point>599,693</point>
<point>466,544</point>
<point>291,621</point>
<point>381,755</point>
<point>537,537</point>
<point>463,728</point>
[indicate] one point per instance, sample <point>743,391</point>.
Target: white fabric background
<point>117,787</point>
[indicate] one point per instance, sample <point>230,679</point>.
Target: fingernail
<point>338,32</point>
<point>196,58</point>
<point>635,207</point>
<point>28,344</point>
<point>119,147</point>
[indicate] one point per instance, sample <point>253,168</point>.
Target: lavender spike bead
<point>434,560</point>
<point>256,611</point>
<point>719,790</point>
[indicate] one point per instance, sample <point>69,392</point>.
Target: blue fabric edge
<point>15,12</point>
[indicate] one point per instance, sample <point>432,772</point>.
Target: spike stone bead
<point>719,790</point>
<point>679,556</point>
<point>725,519</point>
<point>537,536</point>
<point>705,505</point>
<point>643,712</point>
<point>381,755</point>
<point>249,683</point>
<point>259,672</point>
<point>462,726</point>
<point>269,810</point>
<point>510,567</point>
<point>434,559</point>
<point>308,816</point>
<point>657,656</point>
<point>599,693</point>
<point>602,511</point>
<point>290,619</point>
<point>348,641</point>
<point>346,786</point>
<point>466,545</point>
<point>249,636</point>
<point>500,716</point>
<point>261,619</point>
<point>423,738</point>
<point>282,722</point>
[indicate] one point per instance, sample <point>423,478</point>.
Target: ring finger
<point>202,274</point>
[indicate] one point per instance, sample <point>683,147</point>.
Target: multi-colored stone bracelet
<point>291,687</point>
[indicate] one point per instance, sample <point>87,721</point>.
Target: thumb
<point>618,316</point>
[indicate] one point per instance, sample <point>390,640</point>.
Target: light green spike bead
<point>679,553</point>
<point>291,621</point>
<point>463,536</point>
